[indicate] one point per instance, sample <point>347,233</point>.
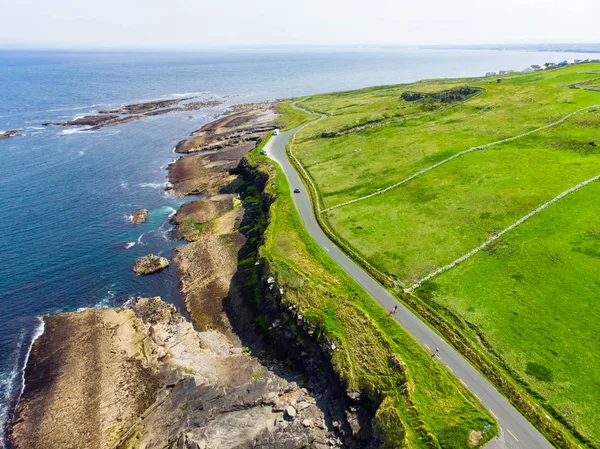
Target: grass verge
<point>291,118</point>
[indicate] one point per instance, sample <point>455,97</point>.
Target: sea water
<point>66,242</point>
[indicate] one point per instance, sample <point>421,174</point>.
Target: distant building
<point>505,72</point>
<point>536,67</point>
<point>595,60</point>
<point>527,70</point>
<point>490,74</point>
<point>549,65</point>
<point>563,63</point>
<point>577,61</point>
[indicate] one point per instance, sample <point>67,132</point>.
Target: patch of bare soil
<point>475,437</point>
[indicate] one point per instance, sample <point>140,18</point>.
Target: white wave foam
<point>8,387</point>
<point>81,153</point>
<point>167,185</point>
<point>186,94</point>
<point>124,185</point>
<point>71,109</point>
<point>69,131</point>
<point>36,334</point>
<point>129,301</point>
<point>152,185</point>
<point>163,167</point>
<point>139,239</point>
<point>129,245</point>
<point>106,300</point>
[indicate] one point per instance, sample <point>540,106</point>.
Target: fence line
<point>478,148</point>
<point>495,237</point>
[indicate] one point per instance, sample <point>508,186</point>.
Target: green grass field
<point>423,405</point>
<point>357,164</point>
<point>446,212</point>
<point>533,294</point>
<point>291,118</point>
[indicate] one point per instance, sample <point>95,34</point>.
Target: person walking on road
<point>436,353</point>
<point>393,310</point>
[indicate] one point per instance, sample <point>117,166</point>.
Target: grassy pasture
<point>357,164</point>
<point>427,223</point>
<point>532,296</point>
<point>535,297</point>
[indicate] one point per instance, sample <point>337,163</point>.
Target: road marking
<point>512,435</point>
<point>427,346</point>
<point>463,382</point>
<point>450,369</point>
<point>478,398</point>
<point>494,415</point>
<point>326,249</point>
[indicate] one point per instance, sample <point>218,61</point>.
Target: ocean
<point>66,241</point>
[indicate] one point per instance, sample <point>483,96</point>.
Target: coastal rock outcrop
<point>140,108</point>
<point>132,112</point>
<point>11,133</point>
<point>150,264</point>
<point>142,377</point>
<point>139,216</point>
<point>247,125</point>
<point>223,143</point>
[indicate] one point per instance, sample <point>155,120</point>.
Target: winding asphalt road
<point>516,431</point>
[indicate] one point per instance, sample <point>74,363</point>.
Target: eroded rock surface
<point>132,112</point>
<point>222,144</point>
<point>11,133</point>
<point>247,125</point>
<point>142,378</point>
<point>139,216</point>
<point>150,264</point>
<point>140,108</point>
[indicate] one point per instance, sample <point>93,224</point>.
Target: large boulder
<point>139,216</point>
<point>150,264</point>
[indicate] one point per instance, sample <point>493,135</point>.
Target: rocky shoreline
<point>137,111</point>
<point>6,134</point>
<point>145,377</point>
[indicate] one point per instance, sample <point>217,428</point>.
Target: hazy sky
<point>201,23</point>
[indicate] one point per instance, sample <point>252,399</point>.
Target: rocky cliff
<point>142,377</point>
<point>145,377</point>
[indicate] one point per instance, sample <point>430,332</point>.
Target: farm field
<point>446,212</point>
<point>356,164</point>
<point>535,296</point>
<point>532,294</point>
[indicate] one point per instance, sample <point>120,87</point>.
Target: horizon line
<point>187,49</point>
